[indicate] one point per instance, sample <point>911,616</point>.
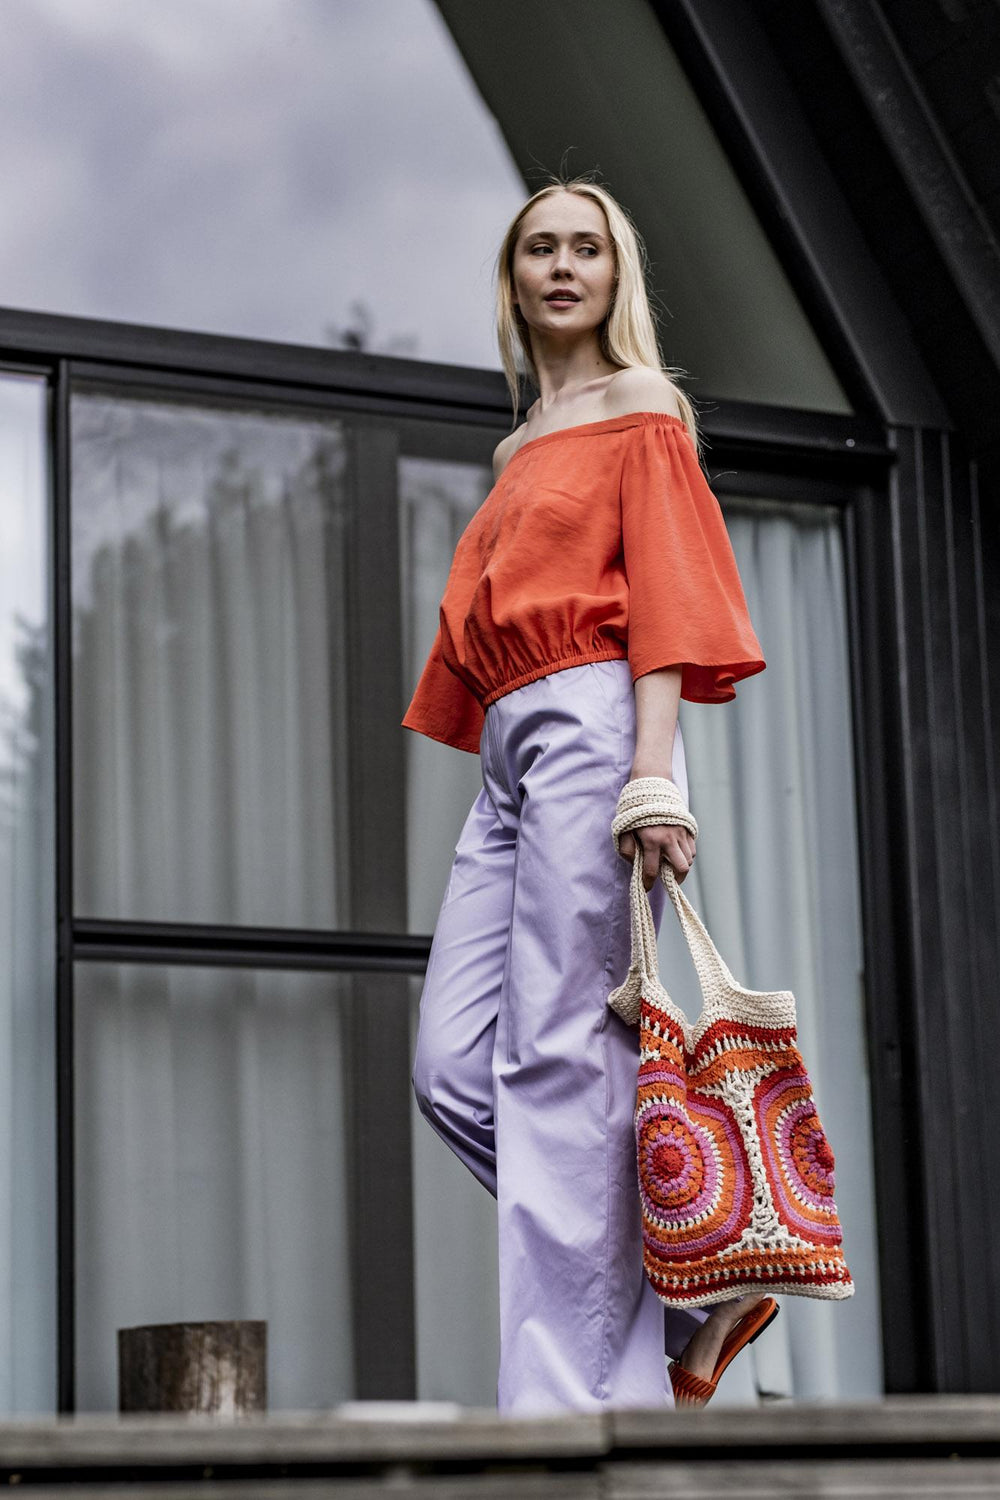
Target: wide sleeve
<point>686,601</point>
<point>443,707</point>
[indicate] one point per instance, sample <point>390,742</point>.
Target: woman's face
<point>563,267</point>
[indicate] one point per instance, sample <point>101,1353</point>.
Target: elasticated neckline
<point>606,424</point>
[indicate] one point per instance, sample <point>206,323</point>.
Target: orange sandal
<point>692,1390</point>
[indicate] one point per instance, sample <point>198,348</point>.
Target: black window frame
<point>758,450</point>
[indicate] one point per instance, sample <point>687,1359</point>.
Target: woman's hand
<point>657,696</point>
<point>660,841</point>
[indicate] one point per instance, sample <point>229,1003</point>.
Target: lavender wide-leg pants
<point>520,1065</point>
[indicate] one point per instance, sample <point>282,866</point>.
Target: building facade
<point>225,538</point>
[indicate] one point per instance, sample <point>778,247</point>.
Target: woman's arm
<point>657,700</point>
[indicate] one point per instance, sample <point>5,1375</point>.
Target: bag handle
<point>644,949</point>
<point>714,976</point>
<point>642,974</point>
<point>712,969</point>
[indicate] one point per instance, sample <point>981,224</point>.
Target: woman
<point>594,588</point>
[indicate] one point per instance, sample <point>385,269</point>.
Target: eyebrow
<point>578,234</point>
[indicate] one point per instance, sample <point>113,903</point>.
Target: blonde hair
<point>628,334</point>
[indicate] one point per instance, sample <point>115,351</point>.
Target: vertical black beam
<point>915,543</point>
<point>941,867</point>
<point>969,870</point>
<point>378,1122</point>
<point>878,61</point>
<point>892,1052</point>
<point>59,436</point>
<point>984,525</point>
<point>920,586</point>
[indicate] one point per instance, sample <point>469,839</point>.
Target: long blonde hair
<point>627,335</point>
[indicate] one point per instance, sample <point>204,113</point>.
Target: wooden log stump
<point>194,1367</point>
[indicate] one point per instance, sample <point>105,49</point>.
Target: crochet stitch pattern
<point>736,1175</point>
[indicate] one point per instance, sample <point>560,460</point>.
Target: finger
<point>652,855</point>
<point>626,847</point>
<point>682,858</point>
<point>684,844</point>
<point>676,849</point>
<point>643,854</point>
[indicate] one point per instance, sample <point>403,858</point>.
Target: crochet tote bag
<point>736,1175</point>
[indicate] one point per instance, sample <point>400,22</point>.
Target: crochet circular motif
<point>806,1148</point>
<point>680,1170</point>
<point>693,1176</point>
<point>798,1158</point>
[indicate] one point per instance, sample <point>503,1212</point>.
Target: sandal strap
<point>690,1390</point>
<point>749,1327</point>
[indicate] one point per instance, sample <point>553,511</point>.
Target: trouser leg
<point>609,1345</point>
<point>452,1069</point>
<point>580,1326</point>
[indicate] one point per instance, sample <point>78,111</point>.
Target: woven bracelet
<point>648,800</point>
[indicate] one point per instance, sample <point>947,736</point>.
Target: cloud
<point>251,167</point>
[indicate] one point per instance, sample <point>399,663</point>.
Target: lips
<point>562,297</point>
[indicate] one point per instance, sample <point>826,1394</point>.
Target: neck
<point>566,370</point>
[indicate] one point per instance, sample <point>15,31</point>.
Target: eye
<point>537,247</point>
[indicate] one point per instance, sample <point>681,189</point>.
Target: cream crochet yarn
<point>648,800</point>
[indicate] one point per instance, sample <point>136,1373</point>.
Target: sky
<point>252,167</point>
<point>249,167</point>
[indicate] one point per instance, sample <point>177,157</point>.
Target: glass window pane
<point>208,662</point>
<point>315,173</point>
<point>27,907</point>
<point>437,500</point>
<point>457,1358</point>
<point>212,1168</point>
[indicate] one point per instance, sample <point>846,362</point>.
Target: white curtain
<point>456,1356</point>
<point>772,785</point>
<point>207,669</point>
<point>776,881</point>
<point>208,765</point>
<point>211,1171</point>
<point>27,908</point>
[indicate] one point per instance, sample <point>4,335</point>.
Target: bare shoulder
<point>505,450</point>
<point>639,388</point>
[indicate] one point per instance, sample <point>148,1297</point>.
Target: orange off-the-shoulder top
<point>598,542</point>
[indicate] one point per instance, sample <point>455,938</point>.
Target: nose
<point>561,264</point>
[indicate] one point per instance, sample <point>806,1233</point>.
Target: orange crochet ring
<point>692,1390</point>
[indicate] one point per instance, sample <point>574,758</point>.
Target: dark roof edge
<point>746,92</point>
<point>935,179</point>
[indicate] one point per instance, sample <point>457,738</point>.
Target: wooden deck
<point>902,1447</point>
